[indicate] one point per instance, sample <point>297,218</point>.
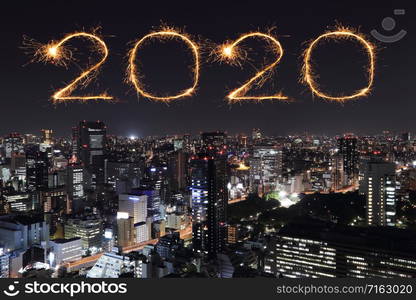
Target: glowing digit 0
<point>230,53</point>
<point>309,76</point>
<point>133,72</point>
<point>56,53</point>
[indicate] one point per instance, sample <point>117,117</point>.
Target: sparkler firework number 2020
<point>230,52</point>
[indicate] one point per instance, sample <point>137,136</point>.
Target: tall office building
<point>307,248</point>
<point>123,175</point>
<point>125,230</point>
<point>75,185</point>
<point>177,170</point>
<point>379,186</point>
<point>347,147</point>
<point>135,206</point>
<point>156,178</point>
<point>92,150</point>
<point>266,165</point>
<point>64,251</point>
<point>89,229</point>
<point>22,232</point>
<point>75,141</point>
<point>338,175</point>
<point>153,200</point>
<point>37,167</point>
<point>23,239</point>
<point>209,202</point>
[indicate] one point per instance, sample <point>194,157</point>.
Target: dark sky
<point>26,90</point>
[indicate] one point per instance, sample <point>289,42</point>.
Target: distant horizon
<point>247,133</point>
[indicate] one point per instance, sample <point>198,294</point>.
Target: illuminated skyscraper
<point>265,168</point>
<point>89,229</point>
<point>153,200</point>
<point>75,185</point>
<point>337,172</point>
<point>125,230</point>
<point>135,206</point>
<point>347,147</point>
<point>75,141</point>
<point>92,148</point>
<point>209,202</point>
<point>379,186</point>
<point>177,170</point>
<point>37,165</point>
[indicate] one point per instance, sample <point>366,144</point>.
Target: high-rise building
<point>347,147</point>
<point>209,203</point>
<point>338,176</point>
<point>22,232</point>
<point>156,178</point>
<point>123,175</point>
<point>65,250</point>
<point>89,229</point>
<point>266,165</point>
<point>110,265</point>
<point>92,150</point>
<point>142,232</point>
<point>37,168</point>
<point>168,244</point>
<point>379,186</point>
<point>135,206</point>
<point>75,185</point>
<point>125,230</point>
<point>153,200</point>
<point>75,141</point>
<point>177,170</point>
<point>18,202</point>
<point>308,248</point>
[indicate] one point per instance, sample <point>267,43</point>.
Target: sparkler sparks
<point>309,76</point>
<point>53,51</point>
<point>134,75</point>
<point>58,54</point>
<point>231,53</point>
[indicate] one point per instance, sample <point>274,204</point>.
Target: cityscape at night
<point>212,205</point>
<point>147,141</point>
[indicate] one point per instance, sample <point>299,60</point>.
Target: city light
<point>203,188</point>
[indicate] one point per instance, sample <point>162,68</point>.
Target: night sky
<point>26,87</point>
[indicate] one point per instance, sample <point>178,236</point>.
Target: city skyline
<point>210,205</point>
<point>207,140</point>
